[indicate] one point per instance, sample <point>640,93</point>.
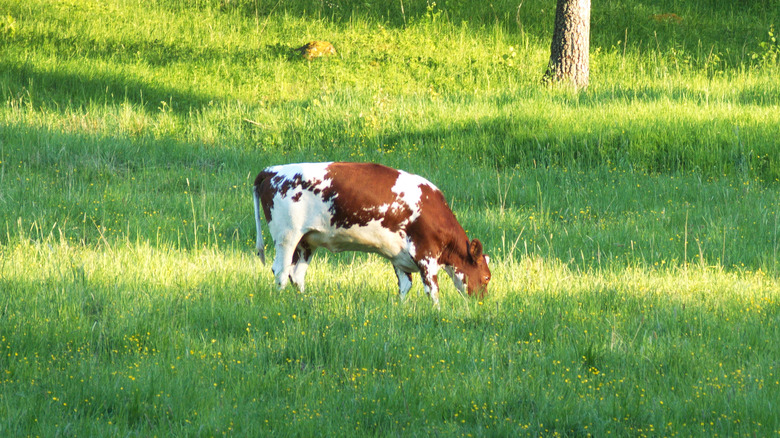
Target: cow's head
<point>474,274</point>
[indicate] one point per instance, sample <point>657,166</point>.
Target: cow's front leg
<point>429,270</point>
<point>458,279</point>
<point>404,282</point>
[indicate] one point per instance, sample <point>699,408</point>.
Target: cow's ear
<point>475,249</point>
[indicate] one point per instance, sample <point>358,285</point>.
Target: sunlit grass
<point>137,338</point>
<point>633,227</point>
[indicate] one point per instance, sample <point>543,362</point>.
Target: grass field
<point>632,227</point>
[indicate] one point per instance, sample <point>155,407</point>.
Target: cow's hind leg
<point>301,258</point>
<point>404,282</point>
<point>282,267</point>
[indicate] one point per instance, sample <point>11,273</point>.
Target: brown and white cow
<point>365,207</point>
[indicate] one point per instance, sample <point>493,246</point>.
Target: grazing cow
<point>365,207</point>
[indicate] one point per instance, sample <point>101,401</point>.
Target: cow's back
<point>362,192</point>
<point>343,206</point>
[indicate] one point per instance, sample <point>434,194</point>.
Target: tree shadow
<point>711,148</point>
<point>62,90</point>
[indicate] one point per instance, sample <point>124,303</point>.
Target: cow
<point>365,207</point>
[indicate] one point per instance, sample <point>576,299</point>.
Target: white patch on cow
<point>290,220</point>
<point>411,248</point>
<point>381,210</point>
<point>408,187</point>
<point>429,267</point>
<point>298,273</point>
<point>371,237</point>
<point>431,264</point>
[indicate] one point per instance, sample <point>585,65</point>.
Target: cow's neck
<point>455,252</point>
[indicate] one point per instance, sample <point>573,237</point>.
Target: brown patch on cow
<point>358,191</point>
<point>283,185</point>
<point>266,192</point>
<point>436,229</point>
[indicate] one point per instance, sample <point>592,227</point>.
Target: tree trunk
<point>570,48</point>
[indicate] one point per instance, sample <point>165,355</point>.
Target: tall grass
<point>145,340</point>
<point>633,227</point>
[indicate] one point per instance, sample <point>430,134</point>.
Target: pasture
<point>632,227</point>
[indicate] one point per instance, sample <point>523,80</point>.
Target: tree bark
<point>570,48</point>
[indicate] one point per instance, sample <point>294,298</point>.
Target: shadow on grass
<point>712,148</point>
<point>60,90</point>
<point>161,174</point>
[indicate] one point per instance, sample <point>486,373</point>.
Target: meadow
<point>632,227</point>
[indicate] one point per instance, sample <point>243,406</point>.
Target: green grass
<point>144,340</point>
<point>633,228</point>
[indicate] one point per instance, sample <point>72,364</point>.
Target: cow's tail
<point>258,219</point>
